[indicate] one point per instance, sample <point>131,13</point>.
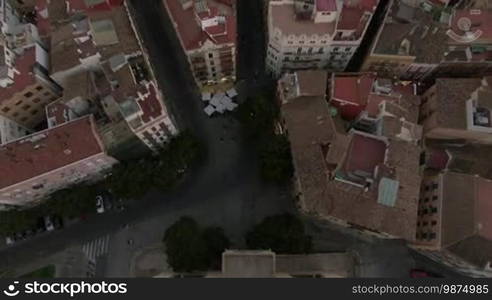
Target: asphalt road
<point>226,190</point>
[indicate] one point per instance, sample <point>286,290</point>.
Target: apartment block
<point>458,109</point>
<point>453,217</point>
<point>315,34</point>
<point>425,39</point>
<point>363,172</point>
<point>52,159</point>
<point>97,59</point>
<point>207,32</point>
<point>26,87</point>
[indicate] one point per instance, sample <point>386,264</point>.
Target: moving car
<point>99,204</point>
<point>48,223</point>
<point>9,240</point>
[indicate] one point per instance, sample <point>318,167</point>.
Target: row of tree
<point>192,248</point>
<point>259,115</point>
<point>128,180</point>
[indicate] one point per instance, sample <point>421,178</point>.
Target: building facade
<point>315,34</point>
<point>207,32</point>
<point>458,109</point>
<point>52,159</point>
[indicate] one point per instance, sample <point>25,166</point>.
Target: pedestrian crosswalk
<point>96,248</point>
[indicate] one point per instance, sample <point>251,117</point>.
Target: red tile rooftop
<point>190,31</point>
<point>25,76</point>
<point>438,159</point>
<point>326,5</point>
<point>48,150</point>
<point>353,89</point>
<point>351,15</point>
<point>364,154</point>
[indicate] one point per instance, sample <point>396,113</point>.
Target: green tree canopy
<point>282,234</point>
<point>190,248</point>
<point>276,160</point>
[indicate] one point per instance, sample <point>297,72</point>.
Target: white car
<point>9,240</point>
<point>99,204</point>
<point>48,223</point>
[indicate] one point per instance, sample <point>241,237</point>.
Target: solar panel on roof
<point>388,191</point>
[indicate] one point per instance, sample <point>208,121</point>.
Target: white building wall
<point>36,189</point>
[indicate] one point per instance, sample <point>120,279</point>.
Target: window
<point>435,186</point>
<point>46,93</point>
<point>18,103</point>
<point>24,119</point>
<point>433,209</point>
<point>210,55</point>
<point>38,88</point>
<point>26,107</point>
<point>36,100</point>
<point>15,114</point>
<point>433,223</point>
<point>28,94</point>
<point>299,50</point>
<point>5,109</point>
<point>34,112</point>
<point>432,235</point>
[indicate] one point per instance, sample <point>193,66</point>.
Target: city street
<point>225,191</point>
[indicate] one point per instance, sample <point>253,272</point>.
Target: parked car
<point>99,204</point>
<point>48,223</point>
<point>9,240</point>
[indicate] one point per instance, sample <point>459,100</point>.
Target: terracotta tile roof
<point>364,154</point>
<point>466,223</point>
<point>48,150</point>
<point>317,148</point>
<point>352,15</point>
<point>438,160</point>
<point>452,94</point>
<point>326,5</point>
<point>312,82</point>
<point>66,52</point>
<point>353,89</point>
<point>426,39</point>
<point>190,31</point>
